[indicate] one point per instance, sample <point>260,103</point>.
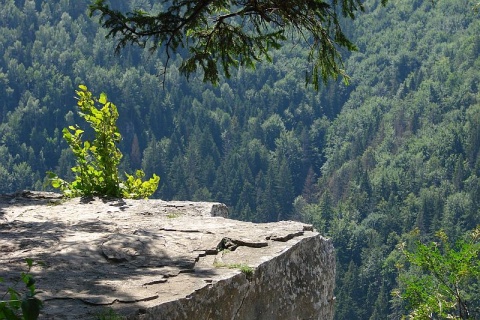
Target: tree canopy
<point>237,32</point>
<point>397,149</point>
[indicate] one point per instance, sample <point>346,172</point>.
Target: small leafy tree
<point>96,170</point>
<point>17,307</point>
<point>443,280</point>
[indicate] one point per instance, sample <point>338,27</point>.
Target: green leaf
<point>8,313</point>
<point>28,280</point>
<point>103,98</point>
<point>29,262</point>
<point>31,307</point>
<point>14,301</point>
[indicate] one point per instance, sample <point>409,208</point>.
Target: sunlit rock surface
<point>152,259</point>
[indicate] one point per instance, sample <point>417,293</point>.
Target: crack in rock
<point>163,280</point>
<point>232,244</point>
<point>102,301</point>
<point>236,314</point>
<point>285,238</point>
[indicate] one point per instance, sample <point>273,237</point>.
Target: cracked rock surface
<point>152,259</point>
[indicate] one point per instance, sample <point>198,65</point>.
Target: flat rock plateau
<point>153,259</point>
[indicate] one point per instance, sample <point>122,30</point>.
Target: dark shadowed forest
<point>397,149</point>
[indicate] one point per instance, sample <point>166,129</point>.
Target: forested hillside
<point>249,142</point>
<point>366,163</point>
<point>404,152</point>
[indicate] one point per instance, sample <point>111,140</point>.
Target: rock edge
<point>152,259</point>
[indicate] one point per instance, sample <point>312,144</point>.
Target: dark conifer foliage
<point>395,150</point>
<point>235,33</point>
<point>207,142</point>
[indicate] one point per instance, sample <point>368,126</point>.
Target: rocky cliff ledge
<point>151,259</point>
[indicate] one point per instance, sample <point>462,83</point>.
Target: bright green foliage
<point>135,187</point>
<point>443,280</point>
<point>96,170</point>
<point>21,308</point>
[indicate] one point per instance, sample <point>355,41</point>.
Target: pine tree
<point>237,33</point>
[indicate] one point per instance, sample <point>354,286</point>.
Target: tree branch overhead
<point>220,34</point>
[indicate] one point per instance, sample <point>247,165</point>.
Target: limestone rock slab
<point>152,259</point>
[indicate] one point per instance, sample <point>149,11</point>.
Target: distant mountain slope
<point>366,163</point>
<point>404,151</point>
<point>250,142</point>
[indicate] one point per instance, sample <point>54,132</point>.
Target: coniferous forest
<point>397,149</point>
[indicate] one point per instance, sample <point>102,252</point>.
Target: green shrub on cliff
<point>96,170</point>
<point>442,279</point>
<point>20,306</point>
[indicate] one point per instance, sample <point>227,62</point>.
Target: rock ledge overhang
<point>152,259</point>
